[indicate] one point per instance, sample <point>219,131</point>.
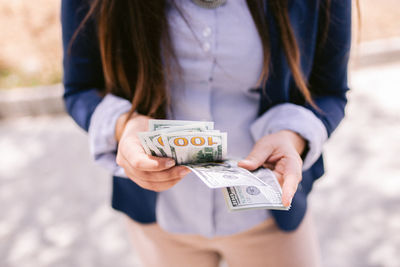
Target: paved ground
<point>357,203</point>
<point>55,202</point>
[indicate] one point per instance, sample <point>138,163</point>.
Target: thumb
<point>291,180</point>
<point>289,188</point>
<point>257,156</point>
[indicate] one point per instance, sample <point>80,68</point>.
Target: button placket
<point>207,31</point>
<point>206,46</point>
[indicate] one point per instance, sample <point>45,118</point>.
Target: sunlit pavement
<point>55,209</point>
<point>357,202</point>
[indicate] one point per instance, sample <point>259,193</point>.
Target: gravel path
<point>55,201</point>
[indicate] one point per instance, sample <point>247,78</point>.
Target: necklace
<point>210,4</point>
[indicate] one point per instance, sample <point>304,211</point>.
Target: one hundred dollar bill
<point>162,124</point>
<point>147,145</point>
<point>155,138</point>
<point>251,197</point>
<point>224,174</point>
<point>267,196</point>
<point>196,147</point>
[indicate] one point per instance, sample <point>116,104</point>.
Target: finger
<point>157,186</point>
<point>138,159</point>
<point>156,181</point>
<point>150,163</point>
<point>163,176</point>
<point>289,188</point>
<point>279,177</point>
<point>291,178</point>
<point>257,156</point>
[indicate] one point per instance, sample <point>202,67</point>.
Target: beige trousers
<point>263,245</point>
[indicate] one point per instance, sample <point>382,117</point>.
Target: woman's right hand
<point>150,172</point>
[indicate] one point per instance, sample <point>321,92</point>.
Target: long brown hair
<point>137,54</point>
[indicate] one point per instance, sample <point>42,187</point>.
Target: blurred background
<point>54,201</point>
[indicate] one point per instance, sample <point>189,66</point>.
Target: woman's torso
<point>220,54</point>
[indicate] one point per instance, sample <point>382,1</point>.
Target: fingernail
<point>170,163</point>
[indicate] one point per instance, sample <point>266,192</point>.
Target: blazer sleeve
<point>83,76</point>
<point>328,78</point>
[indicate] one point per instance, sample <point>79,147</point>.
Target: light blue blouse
<point>220,54</point>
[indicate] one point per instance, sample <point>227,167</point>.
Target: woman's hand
<point>153,173</point>
<point>280,152</point>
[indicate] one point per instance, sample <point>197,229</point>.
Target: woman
<point>273,74</point>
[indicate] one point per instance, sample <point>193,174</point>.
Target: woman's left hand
<point>280,152</point>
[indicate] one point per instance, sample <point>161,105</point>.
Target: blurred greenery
<point>30,43</point>
<point>11,78</point>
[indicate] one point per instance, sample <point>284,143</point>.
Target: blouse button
<point>207,31</point>
<point>206,47</point>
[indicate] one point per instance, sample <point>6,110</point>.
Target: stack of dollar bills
<point>196,145</point>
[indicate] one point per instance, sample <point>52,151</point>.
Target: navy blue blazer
<point>324,66</point>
